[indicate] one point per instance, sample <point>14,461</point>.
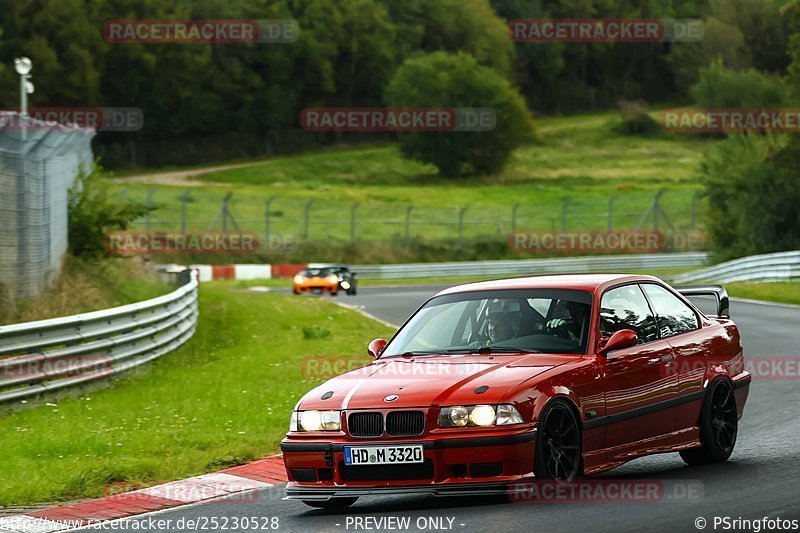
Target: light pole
<point>23,67</point>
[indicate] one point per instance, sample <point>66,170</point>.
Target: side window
<point>626,308</point>
<point>673,316</point>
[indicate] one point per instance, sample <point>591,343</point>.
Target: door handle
<point>667,358</point>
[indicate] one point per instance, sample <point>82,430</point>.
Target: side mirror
<point>624,338</point>
<point>376,347</point>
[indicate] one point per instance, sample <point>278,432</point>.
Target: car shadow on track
<point>663,468</point>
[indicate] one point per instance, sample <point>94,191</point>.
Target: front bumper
<point>316,287</point>
<point>453,466</point>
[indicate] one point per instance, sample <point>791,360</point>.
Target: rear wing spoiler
<point>718,291</point>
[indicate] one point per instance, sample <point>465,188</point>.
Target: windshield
<point>529,320</point>
<point>315,272</point>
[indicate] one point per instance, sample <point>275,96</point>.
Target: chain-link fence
<point>334,221</point>
<point>38,165</point>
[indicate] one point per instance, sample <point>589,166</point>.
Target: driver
<point>503,316</point>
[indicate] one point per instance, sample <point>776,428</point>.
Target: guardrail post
<point>306,222</point>
<point>564,214</point>
<point>184,198</point>
<point>267,205</point>
<point>353,222</point>
<point>461,224</point>
<point>408,224</point>
<point>611,212</point>
<point>514,218</point>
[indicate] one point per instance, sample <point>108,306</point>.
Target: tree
<point>753,187</point>
<point>93,211</point>
<point>443,80</point>
<point>720,87</point>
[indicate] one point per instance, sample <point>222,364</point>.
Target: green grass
<point>783,292</point>
<point>224,398</point>
<point>580,158</point>
<point>87,285</point>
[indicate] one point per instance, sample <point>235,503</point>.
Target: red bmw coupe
<point>494,383</point>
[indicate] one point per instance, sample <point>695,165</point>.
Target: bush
<point>719,87</point>
<point>636,120</point>
<point>753,187</point>
<point>93,212</point>
<point>442,80</point>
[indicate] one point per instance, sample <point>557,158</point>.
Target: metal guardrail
<point>590,264</point>
<point>782,266</point>
<point>48,355</point>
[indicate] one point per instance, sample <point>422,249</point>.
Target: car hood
<point>423,381</point>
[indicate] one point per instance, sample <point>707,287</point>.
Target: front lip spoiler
<point>438,444</point>
<point>462,489</point>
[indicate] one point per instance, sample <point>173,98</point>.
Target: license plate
<point>383,455</point>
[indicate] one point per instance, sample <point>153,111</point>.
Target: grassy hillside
<point>582,159</point>
<point>88,285</point>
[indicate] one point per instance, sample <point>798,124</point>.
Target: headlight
<point>316,421</point>
<point>331,420</point>
<point>298,279</point>
<point>333,278</point>
<point>508,414</point>
<point>459,416</point>
<point>479,416</point>
<point>345,285</point>
<point>482,415</point>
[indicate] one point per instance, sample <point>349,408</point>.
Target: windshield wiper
<point>492,349</point>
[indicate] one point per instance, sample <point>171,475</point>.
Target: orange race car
<point>325,279</point>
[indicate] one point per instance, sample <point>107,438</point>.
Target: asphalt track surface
<point>762,478</point>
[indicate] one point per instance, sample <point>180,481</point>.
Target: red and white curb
<point>259,474</point>
<point>243,272</point>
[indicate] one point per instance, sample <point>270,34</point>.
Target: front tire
<point>719,426</point>
<point>332,504</point>
<point>558,444</point>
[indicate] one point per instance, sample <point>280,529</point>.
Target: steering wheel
<point>560,329</point>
